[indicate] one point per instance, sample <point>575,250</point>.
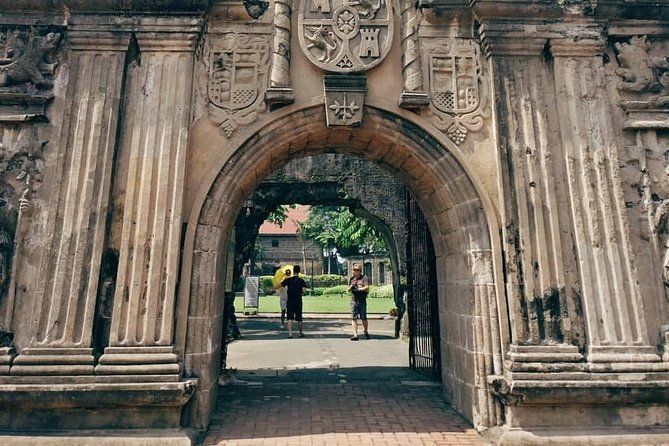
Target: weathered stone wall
<point>533,135</point>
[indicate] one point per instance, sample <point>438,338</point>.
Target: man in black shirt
<point>358,286</point>
<point>295,286</point>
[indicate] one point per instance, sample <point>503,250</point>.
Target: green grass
<point>321,304</point>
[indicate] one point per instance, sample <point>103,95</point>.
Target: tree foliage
<point>336,229</point>
<point>278,216</point>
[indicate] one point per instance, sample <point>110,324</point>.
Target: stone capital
<point>575,47</point>
<point>98,41</point>
<point>167,42</point>
<point>506,38</point>
<point>111,33</point>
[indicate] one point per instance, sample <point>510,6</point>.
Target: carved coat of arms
<point>237,80</point>
<point>345,36</point>
<point>455,79</point>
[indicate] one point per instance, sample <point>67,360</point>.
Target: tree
<point>337,231</point>
<point>278,216</point>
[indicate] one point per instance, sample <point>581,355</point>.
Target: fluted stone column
<point>154,139</point>
<point>541,267</point>
<point>77,211</point>
<point>616,325</point>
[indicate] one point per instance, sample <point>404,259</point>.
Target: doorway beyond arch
<point>461,220</point>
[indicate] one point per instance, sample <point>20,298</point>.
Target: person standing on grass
<point>295,286</point>
<point>282,291</point>
<point>358,286</point>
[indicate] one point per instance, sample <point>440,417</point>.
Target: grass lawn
<point>331,303</point>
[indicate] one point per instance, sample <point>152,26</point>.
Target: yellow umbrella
<point>280,274</point>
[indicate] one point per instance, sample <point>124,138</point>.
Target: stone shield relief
<point>345,36</point>
<point>456,90</point>
<point>238,67</point>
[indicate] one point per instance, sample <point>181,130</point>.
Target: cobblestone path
<point>334,404</point>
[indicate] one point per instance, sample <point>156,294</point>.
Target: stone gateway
<point>533,134</point>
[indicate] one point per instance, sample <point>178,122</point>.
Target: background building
<point>279,245</point>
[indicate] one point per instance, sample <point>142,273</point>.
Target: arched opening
<point>457,214</point>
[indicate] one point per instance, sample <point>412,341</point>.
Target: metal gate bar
<point>424,333</point>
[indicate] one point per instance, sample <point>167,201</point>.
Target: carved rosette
<point>345,36</point>
<point>457,92</point>
<point>238,67</point>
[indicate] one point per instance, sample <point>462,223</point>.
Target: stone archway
<point>461,221</point>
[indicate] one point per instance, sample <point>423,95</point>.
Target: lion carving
<point>28,60</point>
<point>640,72</point>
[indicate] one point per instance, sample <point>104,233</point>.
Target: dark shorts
<point>359,309</point>
<point>294,311</point>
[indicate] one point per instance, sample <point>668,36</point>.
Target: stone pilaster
<point>413,95</point>
<point>153,143</point>
<point>280,90</point>
<point>77,209</point>
<point>616,325</point>
<point>542,280</point>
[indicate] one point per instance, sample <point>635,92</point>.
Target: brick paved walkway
<point>337,414</point>
<point>325,390</point>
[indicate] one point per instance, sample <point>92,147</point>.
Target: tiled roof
<point>290,226</point>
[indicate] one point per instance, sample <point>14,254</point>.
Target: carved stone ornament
<point>455,86</point>
<point>26,59</point>
<point>27,66</point>
<point>578,7</point>
<point>238,67</point>
<point>643,76</point>
<point>344,98</point>
<point>345,36</point>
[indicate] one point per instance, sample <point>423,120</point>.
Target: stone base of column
<point>102,437</point>
<point>622,354</point>
<point>414,100</point>
<point>277,96</point>
<point>53,361</point>
<point>544,353</point>
<point>7,355</point>
<point>141,362</point>
<point>48,407</point>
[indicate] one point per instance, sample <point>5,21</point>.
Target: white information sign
<point>251,292</point>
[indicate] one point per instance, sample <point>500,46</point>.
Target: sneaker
<point>301,335</point>
<point>367,335</point>
<point>354,338</point>
<point>290,336</point>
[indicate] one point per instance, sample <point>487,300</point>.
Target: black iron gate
<point>424,351</point>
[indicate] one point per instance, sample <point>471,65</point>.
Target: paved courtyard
<point>326,390</point>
